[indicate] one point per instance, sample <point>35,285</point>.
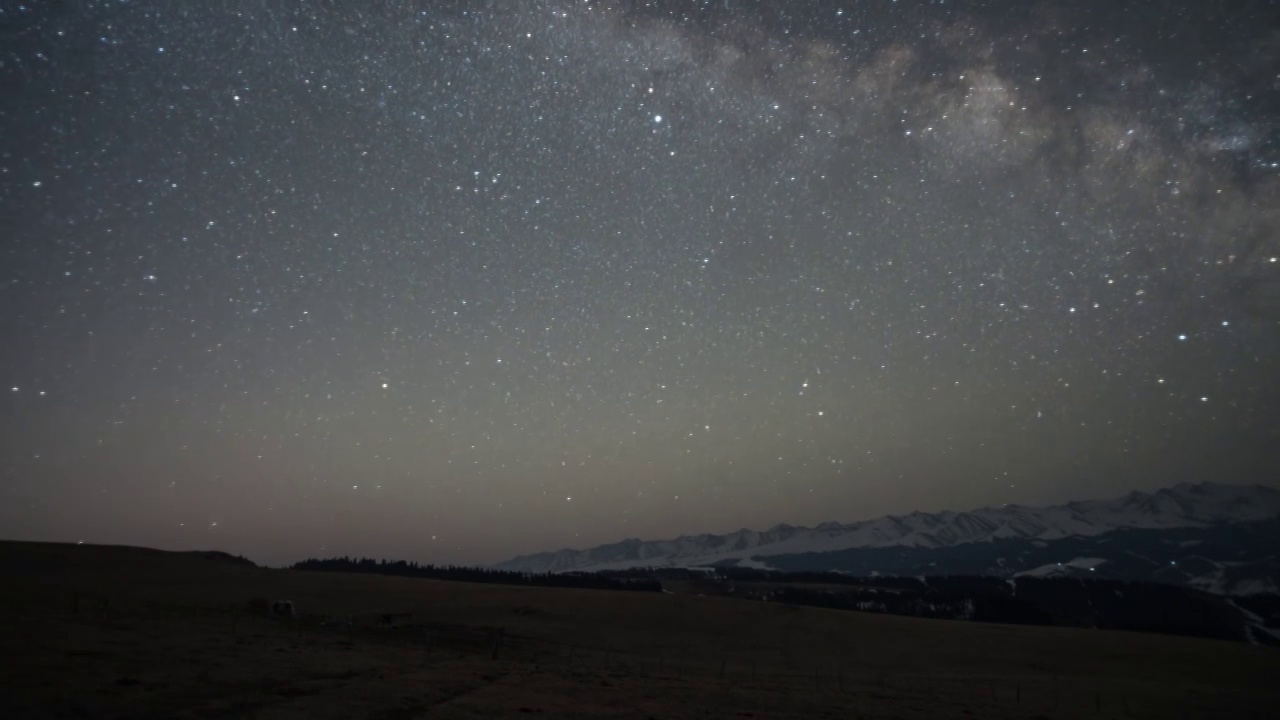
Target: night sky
<point>453,281</point>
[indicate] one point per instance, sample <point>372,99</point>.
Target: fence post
<point>723,662</point>
<point>497,642</point>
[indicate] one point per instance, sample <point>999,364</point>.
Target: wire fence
<point>1032,694</point>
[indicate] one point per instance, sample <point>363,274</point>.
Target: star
<point>575,233</point>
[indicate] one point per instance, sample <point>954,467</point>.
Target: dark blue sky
<point>456,281</point>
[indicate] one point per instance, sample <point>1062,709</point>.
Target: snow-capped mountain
<point>1183,506</point>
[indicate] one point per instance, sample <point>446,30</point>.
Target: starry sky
<point>453,281</point>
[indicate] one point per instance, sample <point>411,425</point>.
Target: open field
<point>123,632</point>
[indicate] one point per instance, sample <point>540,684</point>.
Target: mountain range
<point>1214,536</point>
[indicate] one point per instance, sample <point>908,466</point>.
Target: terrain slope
<point>97,631</point>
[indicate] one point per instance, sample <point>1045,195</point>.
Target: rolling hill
<point>92,631</point>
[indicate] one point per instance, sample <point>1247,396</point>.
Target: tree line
<point>1064,602</point>
<point>462,573</point>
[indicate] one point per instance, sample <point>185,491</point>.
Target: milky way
<point>456,281</point>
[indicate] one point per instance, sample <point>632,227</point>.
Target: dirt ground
<point>95,632</point>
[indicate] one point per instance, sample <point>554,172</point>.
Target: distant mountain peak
<point>1186,505</point>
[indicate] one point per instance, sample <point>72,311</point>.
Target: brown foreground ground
<point>110,632</point>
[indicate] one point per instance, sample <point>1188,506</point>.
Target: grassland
<point>126,632</point>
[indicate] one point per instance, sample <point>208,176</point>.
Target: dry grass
<point>124,632</point>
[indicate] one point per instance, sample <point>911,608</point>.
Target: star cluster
<point>455,281</point>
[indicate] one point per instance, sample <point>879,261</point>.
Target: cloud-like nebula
<point>1142,122</point>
